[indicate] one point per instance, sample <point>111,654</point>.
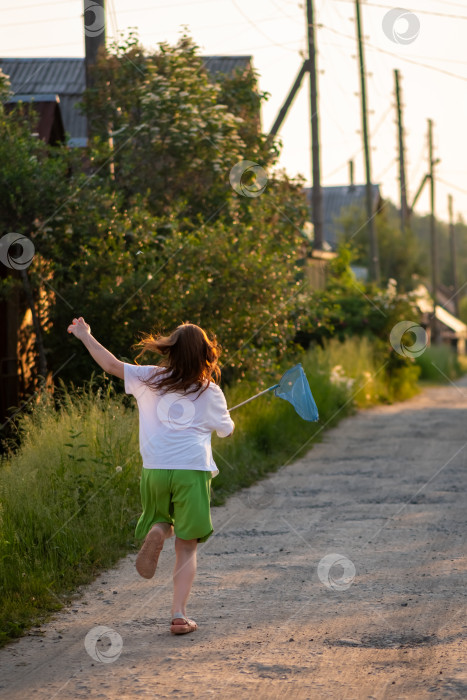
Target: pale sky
<point>433,70</point>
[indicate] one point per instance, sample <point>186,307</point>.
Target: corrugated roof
<point>335,199</point>
<point>226,64</point>
<point>41,75</point>
<point>62,76</point>
<point>66,77</point>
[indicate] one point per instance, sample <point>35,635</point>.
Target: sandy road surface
<point>386,490</point>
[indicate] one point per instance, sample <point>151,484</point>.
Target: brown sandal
<point>148,555</point>
<point>189,626</point>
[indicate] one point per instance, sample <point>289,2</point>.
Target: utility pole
<point>94,34</point>
<point>452,241</point>
<point>433,238</point>
<point>316,191</point>
<point>402,180</point>
<point>374,259</point>
<point>309,65</point>
<point>351,178</point>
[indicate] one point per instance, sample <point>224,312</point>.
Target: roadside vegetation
<point>143,237</point>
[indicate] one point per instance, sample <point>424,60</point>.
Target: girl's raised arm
<point>103,357</point>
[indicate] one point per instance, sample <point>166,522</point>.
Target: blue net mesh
<point>294,387</point>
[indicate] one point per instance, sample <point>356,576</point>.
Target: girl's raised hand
<point>79,327</point>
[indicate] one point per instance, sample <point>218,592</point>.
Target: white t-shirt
<point>175,428</point>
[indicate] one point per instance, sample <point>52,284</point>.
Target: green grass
<point>67,510</point>
<point>439,363</point>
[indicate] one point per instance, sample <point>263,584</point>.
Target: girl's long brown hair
<point>190,359</point>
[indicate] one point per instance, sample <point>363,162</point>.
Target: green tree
<point>176,132</point>
<point>401,256</point>
<point>34,183</point>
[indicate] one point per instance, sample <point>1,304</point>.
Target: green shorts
<point>177,496</point>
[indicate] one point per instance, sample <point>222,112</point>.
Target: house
<point>49,124</point>
<point>452,331</point>
<point>65,78</point>
<point>338,198</point>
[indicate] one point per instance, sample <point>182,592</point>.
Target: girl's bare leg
<point>166,528</point>
<point>148,555</point>
<point>184,573</point>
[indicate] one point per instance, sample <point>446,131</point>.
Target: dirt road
<point>341,576</point>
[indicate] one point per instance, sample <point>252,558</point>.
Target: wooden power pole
<point>374,258</point>
<point>402,180</point>
<point>94,34</point>
<point>452,241</point>
<point>309,65</point>
<point>316,191</point>
<point>433,237</point>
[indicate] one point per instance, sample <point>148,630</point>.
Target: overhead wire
<point>251,23</point>
<point>450,184</point>
<point>425,12</point>
<point>380,175</point>
<point>41,5</point>
<point>41,21</point>
<point>372,135</point>
<point>398,56</point>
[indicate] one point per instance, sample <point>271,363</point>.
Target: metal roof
<point>339,197</point>
<point>62,76</point>
<point>66,77</point>
<point>226,64</point>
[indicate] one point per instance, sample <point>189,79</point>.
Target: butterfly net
<point>294,387</point>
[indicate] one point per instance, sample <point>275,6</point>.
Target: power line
<point>388,167</point>
<point>250,22</point>
<point>446,60</point>
<point>424,12</point>
<point>41,5</point>
<point>294,19</point>
<point>398,56</point>
<point>357,153</point>
<point>449,184</point>
<point>48,20</point>
<point>53,46</point>
<point>454,4</point>
<point>113,17</point>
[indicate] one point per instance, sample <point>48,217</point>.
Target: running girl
<point>180,405</point>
